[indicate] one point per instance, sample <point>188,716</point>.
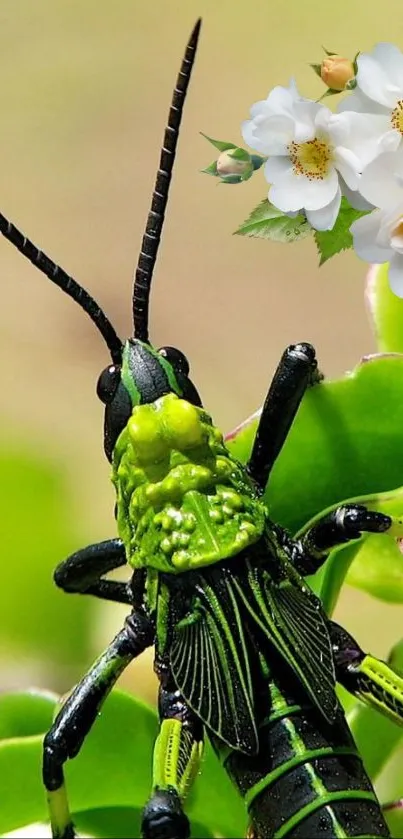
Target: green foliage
<point>331,242</point>
<point>267,222</point>
<point>386,310</point>
<point>221,145</point>
<point>110,780</point>
<point>36,533</point>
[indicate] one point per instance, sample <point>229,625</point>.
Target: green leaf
<point>394,819</point>
<point>257,161</point>
<point>112,770</point>
<point>47,624</point>
<point>386,310</point>
<point>211,170</point>
<point>25,714</point>
<point>267,222</point>
<point>240,154</point>
<point>378,567</point>
<point>317,68</point>
<point>219,144</point>
<point>121,823</point>
<point>331,242</point>
<point>374,750</point>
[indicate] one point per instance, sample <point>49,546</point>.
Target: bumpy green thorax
<point>182,501</point>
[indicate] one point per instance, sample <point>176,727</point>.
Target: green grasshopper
<point>243,649</point>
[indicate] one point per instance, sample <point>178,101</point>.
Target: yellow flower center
<point>312,159</point>
<point>397,116</point>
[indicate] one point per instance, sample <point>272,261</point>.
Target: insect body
<point>243,649</point>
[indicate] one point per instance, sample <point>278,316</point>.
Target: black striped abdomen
<point>307,782</point>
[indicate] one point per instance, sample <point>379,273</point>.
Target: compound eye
<point>176,358</point>
<point>108,383</point>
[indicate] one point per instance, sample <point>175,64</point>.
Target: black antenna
<point>67,284</point>
<point>152,235</point>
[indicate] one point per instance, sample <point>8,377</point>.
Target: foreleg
<point>342,525</point>
<point>296,371</point>
<point>81,572</point>
<point>79,712</point>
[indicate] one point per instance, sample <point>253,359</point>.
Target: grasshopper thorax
<point>144,375</point>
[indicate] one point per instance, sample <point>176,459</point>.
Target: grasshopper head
<point>144,375</point>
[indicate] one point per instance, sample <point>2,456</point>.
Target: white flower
<point>379,92</point>
<point>378,237</point>
<point>314,154</point>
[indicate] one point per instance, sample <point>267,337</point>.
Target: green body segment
<point>182,501</point>
<point>307,779</point>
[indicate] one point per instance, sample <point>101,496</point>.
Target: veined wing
<point>210,665</point>
<point>292,619</point>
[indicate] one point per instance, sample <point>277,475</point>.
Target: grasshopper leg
<point>341,525</point>
<point>177,756</point>
<point>368,678</point>
<point>79,712</point>
<point>81,572</point>
<point>296,371</point>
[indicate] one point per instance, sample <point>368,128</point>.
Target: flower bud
<point>336,71</point>
<point>227,164</point>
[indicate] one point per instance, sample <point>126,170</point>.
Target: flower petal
<point>275,167</point>
<point>293,191</point>
<point>396,274</point>
<point>354,197</point>
<point>285,193</point>
<point>360,104</point>
<point>366,135</point>
<point>268,134</point>
<point>373,80</point>
<point>324,219</point>
<point>379,182</point>
<point>281,100</point>
<point>365,232</point>
<point>391,59</point>
<point>346,163</point>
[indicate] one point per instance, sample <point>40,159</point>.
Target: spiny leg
<point>296,371</point>
<point>81,572</point>
<point>368,678</point>
<point>344,524</point>
<point>177,757</point>
<point>79,712</point>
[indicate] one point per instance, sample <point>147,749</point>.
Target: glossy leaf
<point>221,145</point>
<point>267,222</point>
<point>331,242</point>
<point>121,823</point>
<point>394,819</point>
<point>113,770</point>
<point>25,714</point>
<point>35,536</point>
<point>386,310</point>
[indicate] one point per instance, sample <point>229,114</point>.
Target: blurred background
<point>84,99</point>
